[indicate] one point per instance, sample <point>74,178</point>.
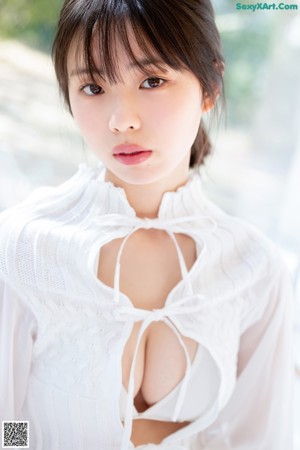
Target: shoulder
<point>46,200</point>
<point>22,225</point>
<point>252,264</point>
<point>245,252</point>
<point>42,198</point>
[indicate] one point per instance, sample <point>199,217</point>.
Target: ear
<point>208,103</point>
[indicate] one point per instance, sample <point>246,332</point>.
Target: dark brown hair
<point>182,33</point>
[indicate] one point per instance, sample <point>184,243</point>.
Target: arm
<point>259,414</point>
<point>17,329</point>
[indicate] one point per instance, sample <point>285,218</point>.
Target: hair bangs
<point>111,26</point>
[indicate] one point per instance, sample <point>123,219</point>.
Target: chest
<point>149,266</point>
<point>149,271</point>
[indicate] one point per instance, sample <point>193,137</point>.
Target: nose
<point>124,116</point>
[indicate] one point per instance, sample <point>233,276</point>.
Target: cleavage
<point>149,271</point>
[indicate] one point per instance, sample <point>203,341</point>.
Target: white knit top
<point>63,331</point>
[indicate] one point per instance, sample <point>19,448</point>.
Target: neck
<point>145,199</point>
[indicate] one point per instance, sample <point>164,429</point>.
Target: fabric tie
<point>168,314</point>
<point>183,224</point>
<point>187,305</point>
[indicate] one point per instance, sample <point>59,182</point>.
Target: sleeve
<point>259,414</point>
<point>17,332</point>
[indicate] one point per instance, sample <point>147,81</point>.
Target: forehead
<point>109,53</point>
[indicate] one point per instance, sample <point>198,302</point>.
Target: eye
<point>154,82</point>
<point>91,89</point>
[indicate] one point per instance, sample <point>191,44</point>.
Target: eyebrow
<point>143,62</point>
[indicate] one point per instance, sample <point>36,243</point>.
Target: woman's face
<point>160,112</point>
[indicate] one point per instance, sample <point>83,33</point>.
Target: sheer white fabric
<point>259,412</point>
<point>17,331</point>
<point>62,333</point>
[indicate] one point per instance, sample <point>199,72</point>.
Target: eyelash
<point>99,93</point>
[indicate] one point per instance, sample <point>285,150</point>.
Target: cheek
<point>86,117</point>
<point>77,112</point>
<point>163,115</point>
<point>180,113</point>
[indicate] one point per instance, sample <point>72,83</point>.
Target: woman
<point>135,312</point>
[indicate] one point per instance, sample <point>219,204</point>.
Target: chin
<point>138,176</point>
<point>140,180</point>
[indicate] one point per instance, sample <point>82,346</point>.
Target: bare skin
<point>161,362</point>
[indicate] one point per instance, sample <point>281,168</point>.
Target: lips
<point>127,149</point>
<point>131,154</point>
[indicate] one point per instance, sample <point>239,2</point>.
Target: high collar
<point>186,199</point>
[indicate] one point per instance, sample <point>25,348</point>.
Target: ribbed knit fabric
<point>63,332</point>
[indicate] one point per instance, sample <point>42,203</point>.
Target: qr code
<point>15,434</point>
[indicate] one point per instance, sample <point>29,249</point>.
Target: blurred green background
<point>31,21</point>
